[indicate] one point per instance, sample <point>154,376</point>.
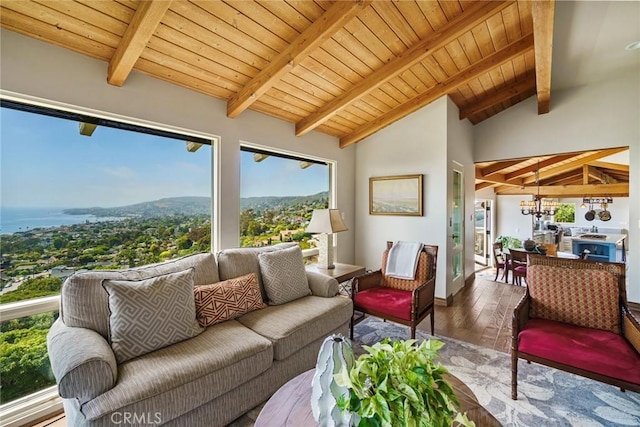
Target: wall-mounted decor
<point>395,195</point>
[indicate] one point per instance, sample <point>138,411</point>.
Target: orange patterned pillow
<point>422,273</point>
<point>226,300</point>
<point>582,297</point>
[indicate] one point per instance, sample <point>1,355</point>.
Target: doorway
<point>482,235</point>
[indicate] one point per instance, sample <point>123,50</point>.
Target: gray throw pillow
<point>146,315</point>
<point>283,275</point>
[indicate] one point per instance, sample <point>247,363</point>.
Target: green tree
<point>33,288</point>
<point>566,212</point>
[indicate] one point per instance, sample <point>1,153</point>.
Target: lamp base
<point>325,249</point>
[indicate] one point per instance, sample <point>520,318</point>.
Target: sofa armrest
<point>369,280</point>
<point>632,329</point>
<point>322,285</point>
<point>82,362</point>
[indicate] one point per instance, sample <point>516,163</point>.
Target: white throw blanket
<point>403,260</point>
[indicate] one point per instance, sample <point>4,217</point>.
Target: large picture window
<point>87,195</point>
<point>278,193</point>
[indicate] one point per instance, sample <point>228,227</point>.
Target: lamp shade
<point>326,221</point>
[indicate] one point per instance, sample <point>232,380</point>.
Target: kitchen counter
<point>600,246</point>
<point>608,238</point>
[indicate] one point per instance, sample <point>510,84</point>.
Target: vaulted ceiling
<point>345,68</point>
<point>583,174</point>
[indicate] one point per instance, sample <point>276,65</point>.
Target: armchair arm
<point>424,295</point>
<point>520,315</point>
<point>82,362</point>
<point>369,280</point>
<point>631,329</point>
<point>322,285</point>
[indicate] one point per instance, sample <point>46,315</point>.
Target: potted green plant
<point>398,384</point>
<point>509,242</point>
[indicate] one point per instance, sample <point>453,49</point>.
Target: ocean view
<point>13,220</point>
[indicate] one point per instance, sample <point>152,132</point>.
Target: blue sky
<point>45,162</point>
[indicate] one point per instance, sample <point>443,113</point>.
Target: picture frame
<point>395,195</point>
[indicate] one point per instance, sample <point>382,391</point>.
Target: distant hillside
<point>193,206</point>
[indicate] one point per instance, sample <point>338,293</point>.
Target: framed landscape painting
<point>395,195</point>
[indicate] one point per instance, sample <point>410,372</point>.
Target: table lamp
<point>325,222</point>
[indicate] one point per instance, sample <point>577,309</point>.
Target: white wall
<point>460,151</point>
<point>509,221</point>
<point>414,145</point>
<point>33,68</point>
<point>590,117</point>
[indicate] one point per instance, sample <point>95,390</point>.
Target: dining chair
<point>500,261</point>
<point>518,260</point>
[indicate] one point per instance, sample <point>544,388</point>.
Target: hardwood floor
<point>480,314</point>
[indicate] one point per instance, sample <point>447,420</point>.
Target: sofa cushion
<point>149,314</point>
<point>174,380</point>
<point>228,299</point>
<point>83,300</point>
<point>240,261</point>
<point>582,297</point>
<point>283,275</point>
<point>593,350</point>
<point>295,324</point>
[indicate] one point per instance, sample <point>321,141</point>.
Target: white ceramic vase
<point>336,351</point>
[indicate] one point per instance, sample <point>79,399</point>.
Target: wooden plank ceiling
<point>345,68</point>
<point>582,174</point>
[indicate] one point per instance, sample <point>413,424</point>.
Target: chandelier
<point>537,206</point>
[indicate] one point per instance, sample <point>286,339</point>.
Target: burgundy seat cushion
<point>394,302</point>
<point>593,350</point>
<point>521,269</point>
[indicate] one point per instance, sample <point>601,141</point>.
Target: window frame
<point>46,402</point>
<point>292,155</point>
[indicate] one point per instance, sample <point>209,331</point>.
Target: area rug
<point>546,397</point>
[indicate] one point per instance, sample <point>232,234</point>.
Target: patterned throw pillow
<point>226,300</point>
<point>283,275</point>
<point>146,315</point>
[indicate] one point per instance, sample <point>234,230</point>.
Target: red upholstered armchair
<point>399,300</point>
<point>574,317</point>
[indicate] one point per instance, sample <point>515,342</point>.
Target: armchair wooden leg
<point>351,326</point>
<point>413,332</point>
<point>514,376</point>
<point>432,321</point>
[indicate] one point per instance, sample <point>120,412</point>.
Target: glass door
<point>457,225</point>
<point>482,223</point>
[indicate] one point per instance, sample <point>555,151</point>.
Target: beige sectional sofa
<point>206,380</point>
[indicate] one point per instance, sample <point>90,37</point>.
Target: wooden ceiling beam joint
<point>309,40</point>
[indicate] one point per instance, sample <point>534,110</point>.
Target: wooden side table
<point>341,273</point>
<point>291,404</point>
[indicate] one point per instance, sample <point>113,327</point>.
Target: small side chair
<point>399,300</point>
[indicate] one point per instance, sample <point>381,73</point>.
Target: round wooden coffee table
<point>291,404</point>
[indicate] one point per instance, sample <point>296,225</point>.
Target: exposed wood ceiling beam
<point>452,83</point>
<point>608,165</point>
<point>621,189</point>
<point>585,174</point>
<point>543,164</point>
<point>542,12</point>
<point>135,38</point>
<point>309,40</point>
<point>498,179</point>
<point>503,94</point>
<point>575,164</point>
<point>482,185</point>
<point>572,174</point>
<point>475,14</point>
<point>497,167</point>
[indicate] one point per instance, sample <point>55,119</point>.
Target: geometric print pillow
<point>227,300</point>
<point>146,315</point>
<point>581,297</point>
<point>283,275</point>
